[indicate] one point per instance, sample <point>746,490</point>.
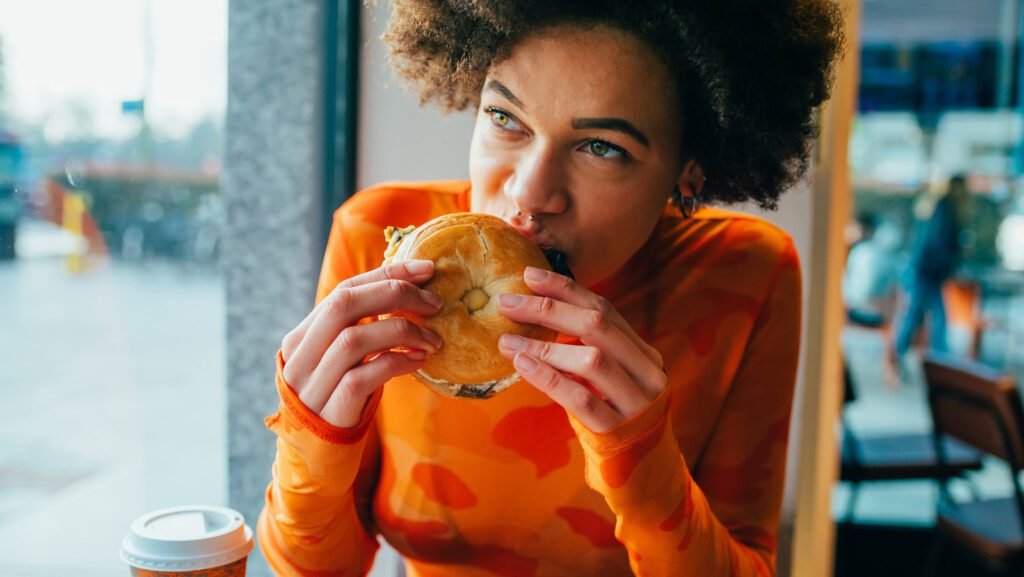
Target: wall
<point>398,140</point>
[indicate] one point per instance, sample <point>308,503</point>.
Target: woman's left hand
<point>626,372</point>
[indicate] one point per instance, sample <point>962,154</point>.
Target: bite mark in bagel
<point>476,257</point>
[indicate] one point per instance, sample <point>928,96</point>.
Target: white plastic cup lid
<point>187,538</point>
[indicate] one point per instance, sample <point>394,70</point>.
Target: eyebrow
<point>616,124</point>
<point>495,86</point>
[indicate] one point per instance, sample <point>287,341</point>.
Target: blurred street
<point>112,388</point>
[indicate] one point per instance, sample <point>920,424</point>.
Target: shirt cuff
<point>628,433</point>
<point>296,413</point>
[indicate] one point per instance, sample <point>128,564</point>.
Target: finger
<point>294,337</point>
<point>588,408</point>
<point>586,362</point>
<point>563,288</point>
<point>345,406</point>
<point>346,306</point>
<point>594,327</point>
<point>414,271</point>
<point>354,344</point>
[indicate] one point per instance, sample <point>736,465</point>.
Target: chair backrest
<point>977,405</point>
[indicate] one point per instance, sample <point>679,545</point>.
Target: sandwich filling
<point>475,391</point>
<point>475,299</point>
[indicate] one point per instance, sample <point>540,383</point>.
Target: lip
<point>534,235</point>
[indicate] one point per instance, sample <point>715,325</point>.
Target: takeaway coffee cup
<point>189,541</point>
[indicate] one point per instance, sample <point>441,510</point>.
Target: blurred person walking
<point>934,255</point>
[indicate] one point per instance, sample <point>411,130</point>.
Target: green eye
<point>499,118</point>
<point>599,148</point>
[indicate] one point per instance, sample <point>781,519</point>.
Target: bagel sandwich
<point>476,257</point>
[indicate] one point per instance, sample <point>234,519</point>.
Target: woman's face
<point>580,128</point>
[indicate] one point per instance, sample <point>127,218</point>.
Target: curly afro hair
<point>752,72</point>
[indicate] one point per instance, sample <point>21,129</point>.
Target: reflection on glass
<point>111,128</point>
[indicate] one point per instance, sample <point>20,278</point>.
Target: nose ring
<point>531,217</point>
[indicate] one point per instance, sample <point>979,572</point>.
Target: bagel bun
<point>476,257</point>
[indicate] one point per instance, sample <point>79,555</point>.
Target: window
<point>939,97</point>
<point>113,373</point>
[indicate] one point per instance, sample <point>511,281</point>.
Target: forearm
<point>310,524</point>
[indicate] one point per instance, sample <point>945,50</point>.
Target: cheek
<point>612,230</point>
<point>486,170</point>
<point>632,212</point>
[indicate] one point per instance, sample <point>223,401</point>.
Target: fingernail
<point>535,274</point>
<point>431,298</point>
<point>512,342</point>
<point>526,363</point>
<point>432,338</point>
<point>416,355</point>
<point>510,301</point>
<point>419,266</point>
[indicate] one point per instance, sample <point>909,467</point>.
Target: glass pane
<point>935,259</point>
<point>111,297</point>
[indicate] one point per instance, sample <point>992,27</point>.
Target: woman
<point>599,125</point>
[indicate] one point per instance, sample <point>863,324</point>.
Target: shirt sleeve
<point>724,519</point>
<point>316,519</point>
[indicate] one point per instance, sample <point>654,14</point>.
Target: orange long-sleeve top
<point>513,485</point>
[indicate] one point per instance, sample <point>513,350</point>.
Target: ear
<point>691,178</point>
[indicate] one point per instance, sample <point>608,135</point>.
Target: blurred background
<point>131,382</point>
<point>111,296</point>
<point>939,95</point>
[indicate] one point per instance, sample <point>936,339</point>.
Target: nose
<point>538,183</point>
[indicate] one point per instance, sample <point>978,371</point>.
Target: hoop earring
<point>687,204</point>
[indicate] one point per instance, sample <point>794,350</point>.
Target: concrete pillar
<point>272,191</point>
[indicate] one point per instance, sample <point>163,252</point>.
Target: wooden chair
<point>895,457</point>
<point>982,408</point>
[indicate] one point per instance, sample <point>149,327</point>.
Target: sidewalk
<point>115,402</point>
<point>113,383</point>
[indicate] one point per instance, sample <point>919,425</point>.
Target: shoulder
<point>402,203</point>
<point>747,266</point>
<point>757,231</point>
<point>739,242</point>
<point>716,264</point>
<point>356,243</point>
<point>716,277</point>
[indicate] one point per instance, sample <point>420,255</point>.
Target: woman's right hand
<point>335,364</point>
